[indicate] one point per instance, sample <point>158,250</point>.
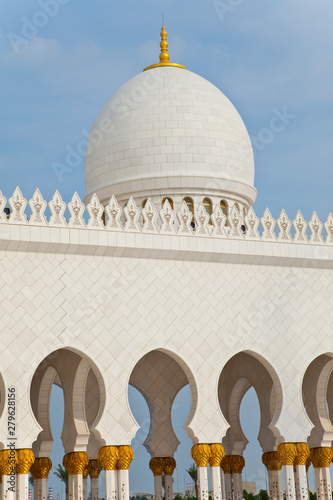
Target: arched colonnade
<point>159,375</point>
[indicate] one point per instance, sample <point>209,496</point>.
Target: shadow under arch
<point>159,375</point>
<point>84,397</point>
<point>242,371</point>
<point>317,392</point>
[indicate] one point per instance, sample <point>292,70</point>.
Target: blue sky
<point>269,57</point>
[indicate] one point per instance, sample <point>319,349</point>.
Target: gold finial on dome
<point>164,55</point>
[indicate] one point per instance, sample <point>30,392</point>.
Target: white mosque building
<point>164,276</point>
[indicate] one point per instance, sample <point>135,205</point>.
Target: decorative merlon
<point>166,221</point>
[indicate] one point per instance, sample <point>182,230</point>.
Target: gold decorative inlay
<point>25,459</point>
<point>156,465</point>
<point>108,457</point>
<point>164,55</point>
<point>8,460</point>
<point>169,466</point>
<point>303,453</point>
<point>75,462</point>
<point>40,468</point>
<point>287,453</point>
<point>94,468</point>
<point>271,460</point>
<point>126,456</point>
<point>201,454</point>
<point>216,454</point>
<point>321,457</point>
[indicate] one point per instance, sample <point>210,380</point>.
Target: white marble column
<point>39,471</point>
<point>216,456</point>
<point>85,488</point>
<point>226,468</point>
<point>94,469</point>
<point>301,482</point>
<point>237,464</point>
<point>274,472</point>
<point>156,465</point>
<point>287,453</point>
<point>125,458</point>
<point>25,459</point>
<point>301,479</point>
<point>201,455</point>
<point>9,487</point>
<point>169,467</point>
<point>111,484</point>
<point>75,463</point>
<point>108,457</point>
<point>321,458</point>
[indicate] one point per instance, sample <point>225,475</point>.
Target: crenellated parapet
<point>150,219</point>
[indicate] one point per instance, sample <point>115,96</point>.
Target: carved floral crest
<point>57,208</point>
<point>95,211</point>
<point>185,219</point>
<point>167,217</point>
<point>132,213</point>
<point>37,205</point>
<point>76,209</point>
<point>284,225</point>
<point>18,204</point>
<point>149,216</point>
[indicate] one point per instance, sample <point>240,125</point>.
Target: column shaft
<point>168,488</point>
<point>327,483</point>
<point>94,488</point>
<point>40,489</point>
<point>238,486</point>
<point>158,489</point>
<point>275,484</point>
<point>301,482</point>
<point>123,484</point>
<point>85,489</point>
<point>323,483</point>
<point>289,480</point>
<point>215,481</point>
<point>111,485</point>
<point>9,482</point>
<point>75,486</point>
<point>202,483</point>
<point>228,484</point>
<point>22,486</point>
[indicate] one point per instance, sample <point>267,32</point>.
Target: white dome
<point>168,131</point>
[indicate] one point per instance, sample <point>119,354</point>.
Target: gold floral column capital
<point>302,454</point>
<point>271,460</point>
<point>287,453</point>
<point>169,466</point>
<point>226,464</point>
<point>321,457</point>
<point>201,454</point>
<point>94,468</point>
<point>108,457</point>
<point>75,462</point>
<point>216,454</point>
<point>8,460</point>
<point>156,465</point>
<point>86,471</point>
<point>25,459</point>
<point>126,456</point>
<point>40,468</point>
<point>237,463</point>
